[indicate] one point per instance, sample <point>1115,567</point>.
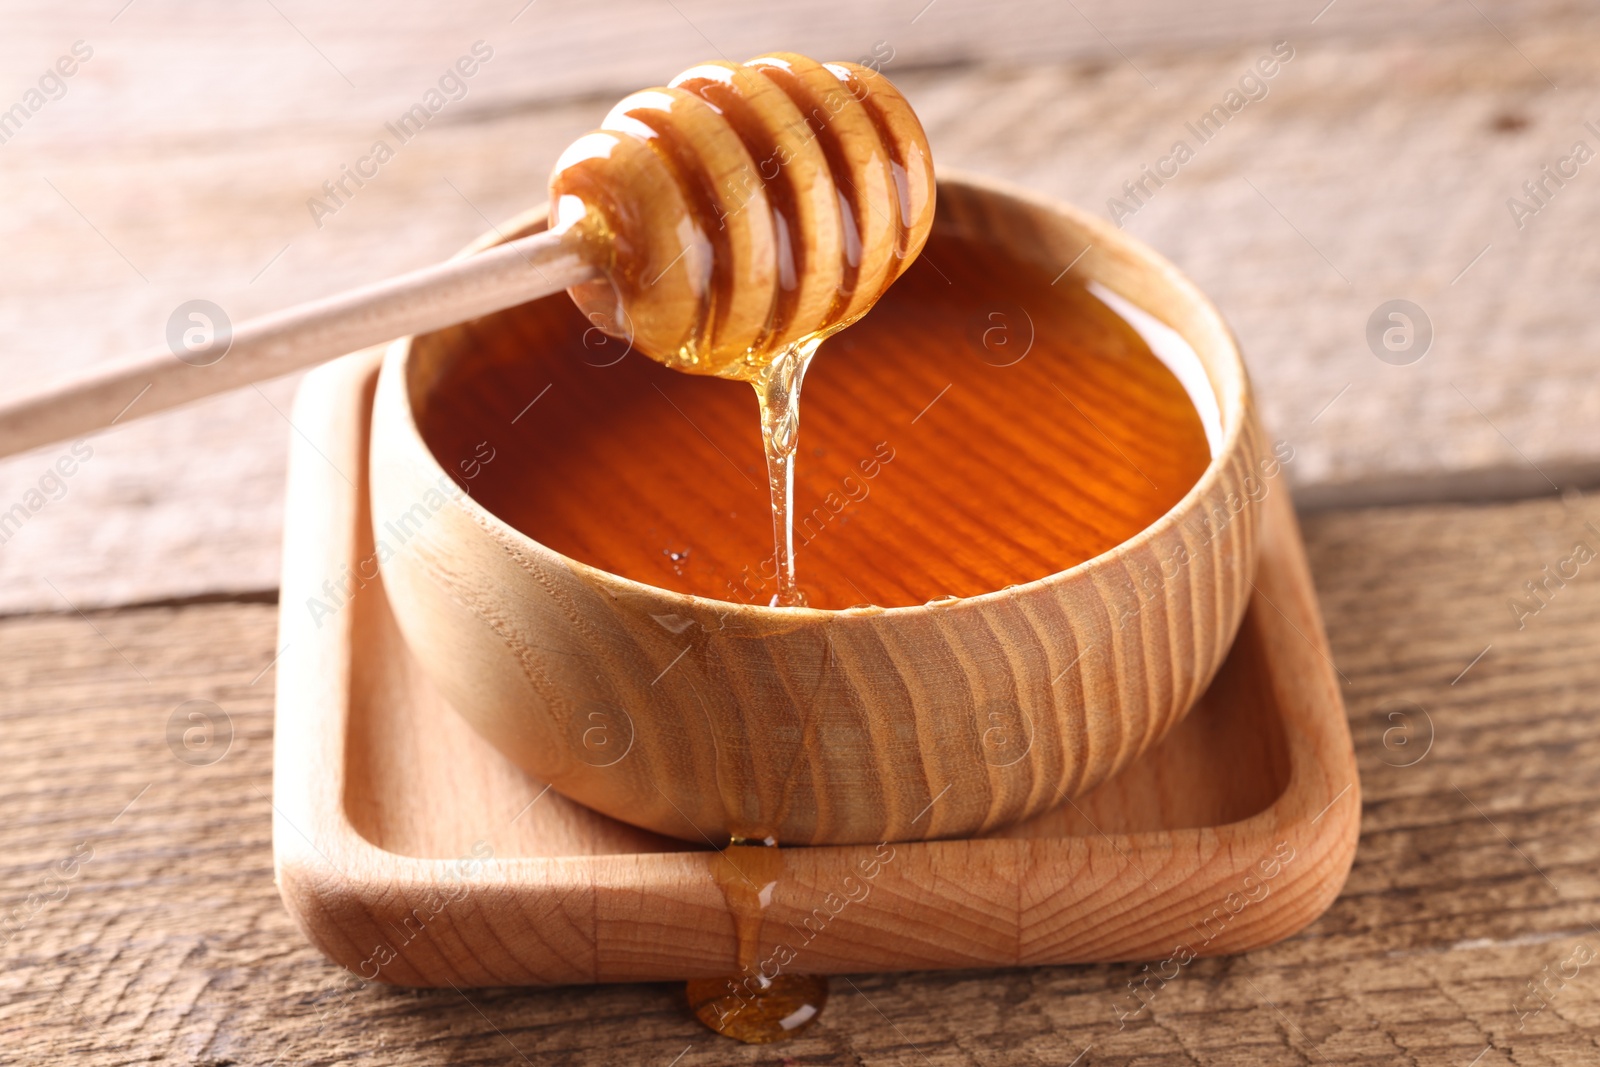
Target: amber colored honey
<point>988,423</point>
<point>763,1001</point>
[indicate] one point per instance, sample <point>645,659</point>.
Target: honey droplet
<point>783,1007</point>
<point>764,841</point>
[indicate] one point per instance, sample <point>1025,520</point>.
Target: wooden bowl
<point>705,719</point>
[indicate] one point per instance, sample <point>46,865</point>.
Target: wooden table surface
<point>137,912</point>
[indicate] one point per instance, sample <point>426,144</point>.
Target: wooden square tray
<point>410,851</point>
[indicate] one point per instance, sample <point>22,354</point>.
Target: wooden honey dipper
<point>716,223</point>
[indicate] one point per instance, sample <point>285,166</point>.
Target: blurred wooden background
<point>180,160</point>
<point>178,165</point>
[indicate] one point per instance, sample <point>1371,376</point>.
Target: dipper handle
<point>741,211</point>
<point>284,341</point>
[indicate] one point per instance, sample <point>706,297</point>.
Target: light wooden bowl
<point>702,718</point>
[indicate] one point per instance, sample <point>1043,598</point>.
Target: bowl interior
<point>994,420</point>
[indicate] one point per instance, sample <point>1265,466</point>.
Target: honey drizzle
<point>818,170</point>
<point>778,393</point>
<point>754,1006</point>
<point>778,381</point>
<point>748,874</point>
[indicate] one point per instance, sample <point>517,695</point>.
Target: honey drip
<point>739,216</point>
<point>762,1003</point>
<point>778,392</point>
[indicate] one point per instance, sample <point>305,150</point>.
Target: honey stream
<point>744,213</point>
<point>778,392</point>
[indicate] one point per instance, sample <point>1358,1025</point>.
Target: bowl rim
<point>1232,394</point>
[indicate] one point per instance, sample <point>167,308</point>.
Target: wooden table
<point>137,910</point>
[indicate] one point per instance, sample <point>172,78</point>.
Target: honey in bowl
<point>908,489</point>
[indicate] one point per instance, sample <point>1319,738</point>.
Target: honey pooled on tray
<point>743,214</point>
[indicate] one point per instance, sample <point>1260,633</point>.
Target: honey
<point>740,216</point>
<point>778,396</point>
<point>762,1002</point>
<point>908,487</point>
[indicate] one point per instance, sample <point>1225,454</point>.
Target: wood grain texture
<point>386,838</point>
<point>1407,130</point>
<point>172,946</point>
<point>196,162</point>
<point>527,642</point>
<point>322,66</point>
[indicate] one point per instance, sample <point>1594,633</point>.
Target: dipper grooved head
<point>746,208</point>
